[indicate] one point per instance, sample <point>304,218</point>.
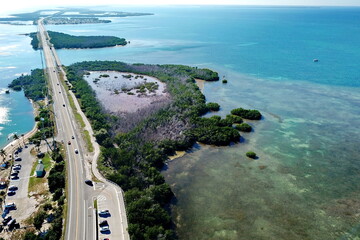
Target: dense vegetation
<point>247,113</point>
<point>243,127</point>
<point>142,150</point>
<point>251,155</point>
<point>62,40</point>
<point>34,85</point>
<point>213,106</point>
<point>34,40</point>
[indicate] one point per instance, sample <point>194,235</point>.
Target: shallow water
<point>16,58</point>
<point>305,183</point>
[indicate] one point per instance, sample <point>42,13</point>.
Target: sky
<point>23,5</point>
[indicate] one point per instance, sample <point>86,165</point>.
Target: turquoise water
<point>305,183</point>
<point>16,57</point>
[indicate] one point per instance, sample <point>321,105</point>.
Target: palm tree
<point>16,137</point>
<point>3,154</point>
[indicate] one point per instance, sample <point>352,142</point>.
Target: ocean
<point>16,58</point>
<point>304,185</point>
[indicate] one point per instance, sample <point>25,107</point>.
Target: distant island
<point>62,40</point>
<point>73,20</point>
<point>66,16</point>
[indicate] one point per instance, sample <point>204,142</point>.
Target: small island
<point>62,40</point>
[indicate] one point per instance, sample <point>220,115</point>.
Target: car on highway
<point>88,182</point>
<point>104,229</point>
<point>76,151</point>
<point>6,220</point>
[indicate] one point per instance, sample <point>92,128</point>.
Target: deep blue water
<point>266,42</point>
<point>305,183</point>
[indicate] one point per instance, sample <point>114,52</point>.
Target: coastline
<point>11,146</point>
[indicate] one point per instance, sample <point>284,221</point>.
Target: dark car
<point>103,223</point>
<point>40,155</point>
<point>6,220</point>
<point>63,105</point>
<point>88,182</point>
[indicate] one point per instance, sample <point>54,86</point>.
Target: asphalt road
<point>81,216</point>
<point>77,201</point>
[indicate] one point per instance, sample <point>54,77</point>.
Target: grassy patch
<point>89,145</point>
<point>35,184</point>
<point>95,204</point>
<point>80,120</point>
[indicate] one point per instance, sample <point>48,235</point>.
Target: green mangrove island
<point>63,40</point>
<point>143,148</point>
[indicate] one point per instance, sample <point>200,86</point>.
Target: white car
<point>104,229</point>
<point>104,212</point>
<point>76,151</point>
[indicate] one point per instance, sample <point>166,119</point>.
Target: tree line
<point>63,40</point>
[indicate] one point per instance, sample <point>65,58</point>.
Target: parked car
<point>17,165</point>
<point>11,193</point>
<point>13,188</point>
<point>88,182</point>
<point>103,223</point>
<point>69,143</point>
<point>18,159</point>
<point>104,212</point>
<point>72,137</point>
<point>11,222</point>
<point>40,155</point>
<point>6,220</point>
<point>104,229</point>
<point>14,173</point>
<point>14,177</point>
<point>10,206</point>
